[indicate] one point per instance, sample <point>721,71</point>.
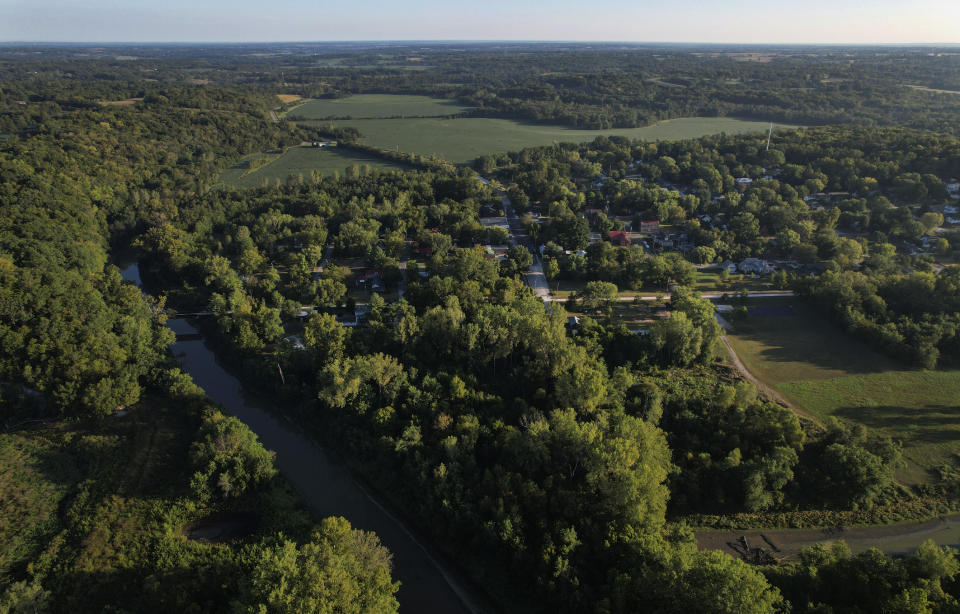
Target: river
<point>325,484</point>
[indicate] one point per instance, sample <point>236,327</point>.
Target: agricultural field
<point>377,106</point>
<point>298,160</point>
<point>462,140</point>
<point>827,372</point>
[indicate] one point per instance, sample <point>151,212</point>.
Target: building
<point>744,180</point>
<point>729,265</point>
<point>295,342</point>
<point>619,237</point>
<point>496,252</point>
<point>653,226</point>
<point>755,265</point>
<point>953,188</point>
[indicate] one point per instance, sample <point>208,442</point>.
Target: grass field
<point>299,160</point>
<point>368,106</point>
<point>461,140</point>
<point>828,372</point>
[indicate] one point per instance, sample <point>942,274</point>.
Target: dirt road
<point>785,544</point>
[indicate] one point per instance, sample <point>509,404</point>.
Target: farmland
<point>461,140</point>
<point>298,160</point>
<point>827,372</point>
<point>373,106</point>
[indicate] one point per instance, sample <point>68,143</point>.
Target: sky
<point>707,21</point>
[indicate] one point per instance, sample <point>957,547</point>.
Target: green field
<point>828,372</point>
<point>299,160</point>
<point>461,140</point>
<point>368,106</point>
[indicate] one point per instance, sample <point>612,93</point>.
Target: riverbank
<point>328,487</point>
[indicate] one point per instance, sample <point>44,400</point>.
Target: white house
<point>755,265</point>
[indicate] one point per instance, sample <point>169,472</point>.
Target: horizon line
<point>478,40</point>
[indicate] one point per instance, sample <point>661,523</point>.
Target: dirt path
<point>766,390</point>
<point>785,544</point>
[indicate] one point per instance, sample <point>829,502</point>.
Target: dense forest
<point>559,461</point>
<point>95,503</point>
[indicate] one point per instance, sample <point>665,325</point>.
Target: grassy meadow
<point>462,140</point>
<point>376,106</point>
<point>828,372</point>
<point>298,160</point>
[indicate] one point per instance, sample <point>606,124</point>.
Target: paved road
<point>709,295</point>
<point>518,236</point>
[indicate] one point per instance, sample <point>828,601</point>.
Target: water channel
<point>325,484</point>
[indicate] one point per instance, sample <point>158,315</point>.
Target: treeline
<point>594,88</point>
<point>914,317</point>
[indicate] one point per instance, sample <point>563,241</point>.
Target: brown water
<point>326,485</point>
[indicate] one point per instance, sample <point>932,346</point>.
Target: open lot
<point>299,160</point>
<point>461,140</point>
<point>364,106</point>
<point>826,371</point>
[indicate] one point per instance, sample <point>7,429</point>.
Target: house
<point>653,226</point>
<point>295,342</point>
<point>755,265</point>
<point>951,209</point>
<point>573,321</point>
<point>953,220</point>
<point>729,265</point>
<point>499,222</point>
<point>953,188</point>
<point>496,252</point>
<point>306,312</point>
<point>663,241</point>
<point>371,280</point>
<point>619,237</point>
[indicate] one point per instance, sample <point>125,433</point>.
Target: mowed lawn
<point>462,140</point>
<point>828,372</point>
<point>300,160</point>
<point>363,106</point>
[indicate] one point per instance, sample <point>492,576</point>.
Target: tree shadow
<point>929,424</point>
<point>792,346</point>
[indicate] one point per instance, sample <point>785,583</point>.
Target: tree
<point>520,258</point>
<point>325,336</point>
<point>676,341</point>
<point>24,598</point>
<point>551,269</point>
<point>340,570</point>
<point>228,458</point>
<point>931,220</point>
<point>598,294</point>
<point>703,254</point>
